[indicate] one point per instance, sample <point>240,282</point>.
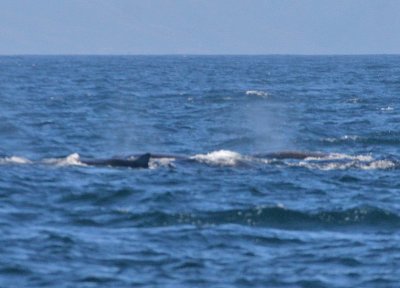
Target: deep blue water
<point>225,219</point>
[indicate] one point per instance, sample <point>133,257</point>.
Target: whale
<point>215,158</point>
<point>280,155</point>
<point>295,155</point>
<point>141,161</point>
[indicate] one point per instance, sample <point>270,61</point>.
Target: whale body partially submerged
<point>296,155</point>
<point>225,158</point>
<point>141,161</point>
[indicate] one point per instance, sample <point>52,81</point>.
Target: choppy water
<point>224,219</point>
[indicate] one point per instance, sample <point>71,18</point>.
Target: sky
<point>199,27</point>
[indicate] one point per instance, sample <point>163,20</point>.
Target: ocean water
<point>224,219</point>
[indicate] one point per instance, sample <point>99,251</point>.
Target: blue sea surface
<point>224,219</point>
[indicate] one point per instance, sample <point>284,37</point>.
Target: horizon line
<point>193,54</point>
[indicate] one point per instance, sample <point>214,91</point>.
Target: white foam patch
<point>348,163</point>
<point>354,100</point>
<point>340,156</point>
<point>324,166</point>
<point>349,137</point>
<point>267,161</point>
<point>73,159</point>
<point>343,138</point>
<point>379,164</point>
<point>388,108</point>
<point>256,93</point>
<point>15,160</point>
<point>221,158</point>
<point>161,162</point>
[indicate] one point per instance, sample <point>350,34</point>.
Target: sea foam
<point>15,160</point>
<point>341,156</point>
<point>72,159</point>
<point>337,161</point>
<point>256,93</point>
<point>161,162</point>
<point>221,158</point>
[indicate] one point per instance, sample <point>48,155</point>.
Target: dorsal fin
<point>143,161</point>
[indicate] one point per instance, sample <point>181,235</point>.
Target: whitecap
<point>342,138</point>
<point>341,156</point>
<point>330,139</point>
<point>324,166</point>
<point>353,100</point>
<point>267,161</point>
<point>15,160</point>
<point>221,157</point>
<point>256,93</point>
<point>161,162</point>
<point>379,164</point>
<point>349,137</point>
<point>358,162</point>
<point>72,159</point>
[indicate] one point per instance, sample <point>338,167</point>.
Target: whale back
<point>141,161</point>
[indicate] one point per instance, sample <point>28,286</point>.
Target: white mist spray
<point>267,122</point>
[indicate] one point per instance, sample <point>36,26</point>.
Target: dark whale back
<point>140,162</point>
<point>298,155</point>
